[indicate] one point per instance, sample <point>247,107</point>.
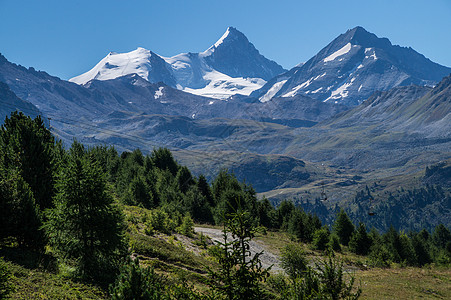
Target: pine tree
<point>297,224</point>
<point>392,241</point>
<point>196,204</point>
<point>27,146</point>
<point>407,252</point>
<point>240,272</point>
<point>184,179</point>
<point>205,190</point>
<point>343,227</point>
<point>441,236</point>
<point>360,242</point>
<point>223,182</point>
<point>84,228</point>
<point>420,247</point>
<point>139,193</point>
<point>321,238</point>
<point>19,215</point>
<point>162,158</point>
<point>334,243</point>
<point>265,212</point>
<point>284,213</point>
<point>229,203</point>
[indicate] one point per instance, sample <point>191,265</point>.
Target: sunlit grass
<point>405,283</point>
<point>39,284</point>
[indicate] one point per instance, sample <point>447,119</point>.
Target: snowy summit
<point>351,68</point>
<point>230,66</point>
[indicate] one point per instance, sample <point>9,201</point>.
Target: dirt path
<point>267,258</point>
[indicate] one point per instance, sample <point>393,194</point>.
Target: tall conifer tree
<point>84,228</point>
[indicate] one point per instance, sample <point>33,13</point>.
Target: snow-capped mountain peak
<point>141,61</point>
<point>212,48</point>
<point>234,55</point>
<point>359,36</point>
<point>231,38</point>
<point>230,66</point>
<point>223,37</point>
<point>350,68</point>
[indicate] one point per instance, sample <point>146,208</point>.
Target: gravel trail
<point>267,258</point>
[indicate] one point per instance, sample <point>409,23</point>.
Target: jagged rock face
<point>235,56</point>
<point>9,102</point>
<point>351,68</point>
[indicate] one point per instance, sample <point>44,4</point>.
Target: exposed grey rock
<point>10,102</point>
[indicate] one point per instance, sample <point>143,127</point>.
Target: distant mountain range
<point>140,99</point>
<point>348,70</point>
<point>97,100</point>
<point>231,66</point>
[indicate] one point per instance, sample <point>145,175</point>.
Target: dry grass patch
<point>274,241</point>
<point>405,283</point>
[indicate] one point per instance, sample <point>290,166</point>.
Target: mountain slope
<point>411,109</point>
<point>352,67</point>
<point>231,66</point>
<point>9,102</point>
<point>49,94</point>
<point>134,94</point>
<point>401,128</point>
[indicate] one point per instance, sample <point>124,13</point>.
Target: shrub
<point>333,283</point>
<point>136,283</point>
<point>334,243</point>
<point>307,287</point>
<point>293,260</point>
<point>187,226</point>
<point>326,281</point>
<point>6,287</point>
<point>279,283</point>
<point>321,238</point>
<point>158,220</point>
<point>379,255</point>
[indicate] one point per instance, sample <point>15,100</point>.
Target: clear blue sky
<point>66,38</point>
